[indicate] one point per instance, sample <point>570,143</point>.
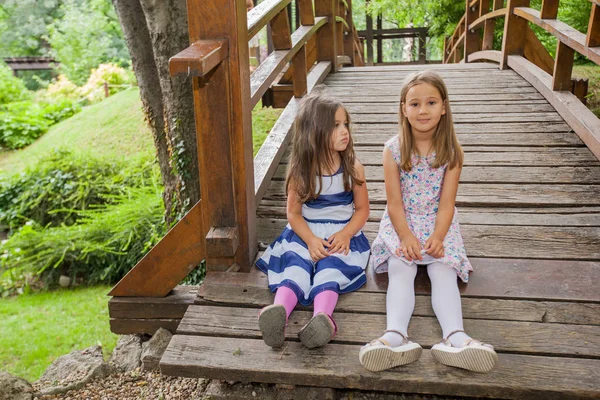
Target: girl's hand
<point>434,247</point>
<point>339,243</point>
<point>316,248</point>
<point>410,248</point>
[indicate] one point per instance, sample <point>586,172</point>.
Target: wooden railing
<point>377,36</point>
<point>220,228</point>
<point>523,52</point>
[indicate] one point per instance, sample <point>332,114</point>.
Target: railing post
<point>593,32</point>
<point>515,32</point>
<point>549,9</point>
<point>471,37</point>
<point>369,38</point>
<point>326,42</point>
<point>349,37</point>
<point>224,136</point>
<point>563,67</point>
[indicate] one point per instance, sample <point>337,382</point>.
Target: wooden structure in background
<point>29,64</point>
<point>529,208</point>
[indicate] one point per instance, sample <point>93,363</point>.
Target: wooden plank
<point>438,67</point>
<point>167,263</point>
<point>471,41</point>
<point>132,326</point>
<point>524,175</point>
<point>467,118</point>
<point>549,9</point>
<point>516,376</point>
<point>457,108</point>
<point>535,52</point>
<point>307,14</point>
<point>280,31</point>
<point>172,306</point>
<point>491,279</point>
<point>262,13</point>
<point>198,59</point>
<point>537,127</point>
<point>274,146</point>
<point>272,66</point>
<point>527,242</point>
<point>563,32</point>
<point>578,116</point>
<point>469,96</point>
<point>326,43</point>
<point>462,89</point>
<point>506,336</point>
<point>253,293</point>
<point>565,216</point>
<point>299,63</point>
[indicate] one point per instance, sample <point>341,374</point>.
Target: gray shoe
<point>271,322</point>
<point>318,332</point>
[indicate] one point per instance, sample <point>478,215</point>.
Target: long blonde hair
<point>445,143</point>
<point>311,144</point>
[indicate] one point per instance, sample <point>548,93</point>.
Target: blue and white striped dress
<point>287,261</point>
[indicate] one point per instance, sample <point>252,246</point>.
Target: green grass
<point>114,127</point>
<point>38,328</point>
<point>592,73</point>
<point>263,120</point>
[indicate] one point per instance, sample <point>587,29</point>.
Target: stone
<point>153,349</point>
<point>73,370</point>
<point>14,388</point>
<point>218,390</point>
<point>64,281</point>
<point>127,354</point>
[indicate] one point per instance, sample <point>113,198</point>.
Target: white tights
<point>445,300</point>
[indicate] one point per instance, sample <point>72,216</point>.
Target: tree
<point>155,31</point>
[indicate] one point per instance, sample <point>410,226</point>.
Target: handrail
<point>563,32</point>
<point>263,13</point>
<point>268,70</point>
<point>454,49</point>
<point>491,15</point>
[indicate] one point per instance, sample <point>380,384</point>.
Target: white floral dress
<point>421,191</point>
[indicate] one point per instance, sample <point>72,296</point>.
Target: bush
<point>61,185</point>
<point>106,243</point>
<point>21,123</point>
<point>112,74</point>
<point>11,87</point>
<point>60,109</point>
<point>61,88</point>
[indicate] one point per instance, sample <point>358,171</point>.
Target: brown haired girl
<point>322,251</point>
<point>422,168</point>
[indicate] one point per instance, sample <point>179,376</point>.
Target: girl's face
<point>424,108</point>
<point>341,135</point>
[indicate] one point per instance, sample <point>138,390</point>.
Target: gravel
<point>135,385</point>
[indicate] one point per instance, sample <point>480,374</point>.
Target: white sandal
<point>379,355</point>
<point>473,355</point>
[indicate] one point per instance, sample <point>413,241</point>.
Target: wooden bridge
<point>529,206</point>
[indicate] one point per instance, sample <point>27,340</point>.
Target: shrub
<point>21,123</point>
<point>61,88</point>
<point>11,87</point>
<point>106,243</point>
<point>60,109</point>
<point>60,186</point>
<point>112,74</point>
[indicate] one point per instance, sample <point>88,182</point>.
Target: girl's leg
<point>400,302</point>
<point>287,298</point>
<point>273,319</point>
<point>445,300</point>
<point>321,328</point>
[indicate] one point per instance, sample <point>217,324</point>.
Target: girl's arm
<point>434,245</point>
<point>316,246</point>
<point>340,241</point>
<point>411,248</point>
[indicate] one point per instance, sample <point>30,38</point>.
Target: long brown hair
<point>311,144</point>
<point>445,143</point>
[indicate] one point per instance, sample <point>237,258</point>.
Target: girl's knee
<point>397,267</point>
<point>439,272</point>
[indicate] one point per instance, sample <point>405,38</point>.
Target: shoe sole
<point>271,323</point>
<point>472,359</point>
<point>382,358</point>
<point>318,332</point>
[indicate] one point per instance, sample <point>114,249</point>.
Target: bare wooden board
<point>218,290</point>
<point>457,108</point>
<point>171,306</point>
<point>130,326</point>
<point>467,118</point>
<point>508,127</point>
<point>517,376</point>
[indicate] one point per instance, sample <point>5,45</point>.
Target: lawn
<point>38,328</point>
<point>592,73</point>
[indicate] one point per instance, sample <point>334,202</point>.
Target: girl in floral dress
<point>422,168</point>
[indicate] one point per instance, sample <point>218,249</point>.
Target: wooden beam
<point>299,62</point>
<point>472,36</point>
<point>198,59</point>
<point>535,52</point>
<point>563,67</point>
<point>167,263</point>
<point>264,12</point>
<point>549,9</point>
<point>593,33</point>
<point>326,43</point>
<point>515,32</point>
<point>307,14</point>
<point>280,31</point>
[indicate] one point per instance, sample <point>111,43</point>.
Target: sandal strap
<point>380,340</point>
<point>452,333</point>
<point>398,332</point>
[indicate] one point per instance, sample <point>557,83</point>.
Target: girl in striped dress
<point>322,251</point>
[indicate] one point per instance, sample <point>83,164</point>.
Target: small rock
<point>127,354</point>
<point>153,349</point>
<point>64,281</point>
<point>14,388</point>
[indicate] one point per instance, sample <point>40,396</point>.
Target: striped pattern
<point>287,261</point>
<point>375,357</point>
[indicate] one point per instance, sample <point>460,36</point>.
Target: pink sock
<point>325,302</point>
<point>286,297</point>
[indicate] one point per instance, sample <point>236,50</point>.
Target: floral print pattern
<point>421,191</point>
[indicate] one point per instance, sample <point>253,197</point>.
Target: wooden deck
<point>529,208</point>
